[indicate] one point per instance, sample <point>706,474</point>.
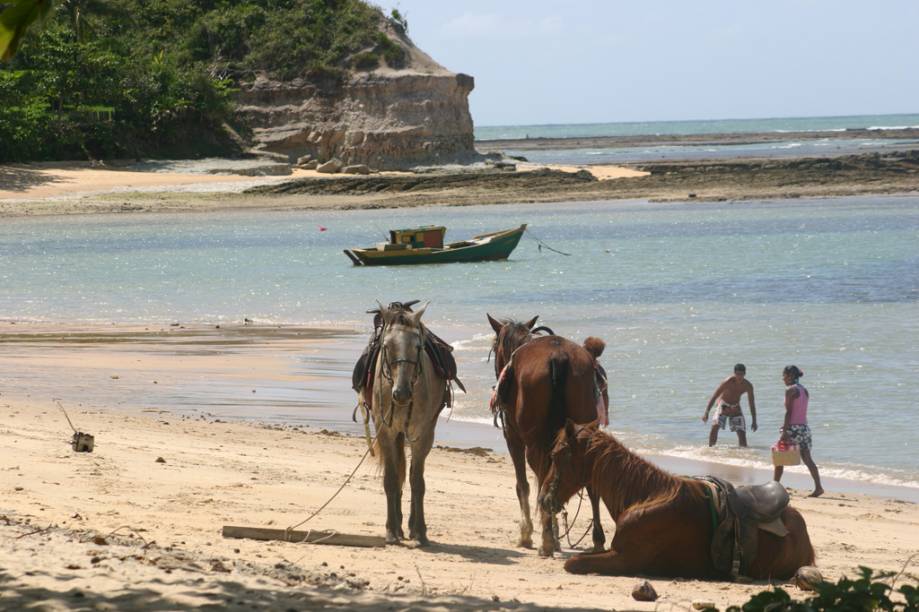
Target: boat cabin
<point>428,236</point>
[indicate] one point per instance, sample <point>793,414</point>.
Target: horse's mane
<point>638,485</point>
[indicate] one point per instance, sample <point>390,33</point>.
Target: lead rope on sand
<point>576,513</point>
<point>334,495</point>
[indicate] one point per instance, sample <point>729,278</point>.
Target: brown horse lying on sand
<point>542,380</point>
<point>663,522</point>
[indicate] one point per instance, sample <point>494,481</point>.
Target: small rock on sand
<point>356,169</point>
<point>807,577</point>
<point>160,460</point>
<point>643,591</point>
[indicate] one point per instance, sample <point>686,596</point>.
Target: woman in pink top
<point>795,429</point>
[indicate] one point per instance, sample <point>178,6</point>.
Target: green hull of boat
<point>487,247</point>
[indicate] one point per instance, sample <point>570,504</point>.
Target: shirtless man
<point>729,413</point>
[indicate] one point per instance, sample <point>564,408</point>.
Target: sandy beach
<point>137,523</point>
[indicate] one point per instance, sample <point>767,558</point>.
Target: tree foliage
<point>103,78</point>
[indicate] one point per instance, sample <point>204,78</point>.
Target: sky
<point>587,61</point>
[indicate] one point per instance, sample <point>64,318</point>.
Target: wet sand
<point>275,375</point>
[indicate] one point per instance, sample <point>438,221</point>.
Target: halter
<point>388,364</point>
<point>386,371</point>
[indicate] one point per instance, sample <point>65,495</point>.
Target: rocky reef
<point>386,118</point>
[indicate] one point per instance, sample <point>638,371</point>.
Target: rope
<point>576,513</point>
<point>543,244</point>
<point>334,495</point>
<point>59,405</point>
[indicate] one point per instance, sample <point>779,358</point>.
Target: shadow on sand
<point>230,595</point>
<point>23,178</point>
<point>498,556</point>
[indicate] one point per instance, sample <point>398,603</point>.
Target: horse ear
<point>532,322</point>
<point>495,324</point>
<point>416,316</point>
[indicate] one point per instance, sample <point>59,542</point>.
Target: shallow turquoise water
<point>679,291</point>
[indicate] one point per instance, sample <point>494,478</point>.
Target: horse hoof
<point>546,554</point>
<point>525,543</point>
<point>423,541</point>
<point>392,538</point>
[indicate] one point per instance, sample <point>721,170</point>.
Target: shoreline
<point>279,375</point>
<point>895,172</point>
<point>122,527</point>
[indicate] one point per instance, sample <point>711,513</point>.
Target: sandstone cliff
<point>386,118</point>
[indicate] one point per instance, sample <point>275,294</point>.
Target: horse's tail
<point>558,373</point>
<point>398,447</point>
<point>594,346</point>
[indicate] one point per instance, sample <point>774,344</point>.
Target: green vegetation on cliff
<point>131,78</point>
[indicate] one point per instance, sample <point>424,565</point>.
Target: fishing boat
<point>425,245</point>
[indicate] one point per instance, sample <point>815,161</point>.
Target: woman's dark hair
<point>793,371</point>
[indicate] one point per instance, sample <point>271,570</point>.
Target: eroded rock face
<point>385,118</point>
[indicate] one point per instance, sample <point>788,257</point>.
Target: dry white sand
<point>603,172</point>
<point>160,523</point>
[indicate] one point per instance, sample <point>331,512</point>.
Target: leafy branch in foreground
<point>867,592</point>
<point>15,19</point>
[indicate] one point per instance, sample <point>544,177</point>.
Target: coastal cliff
<point>386,117</point>
<point>186,80</point>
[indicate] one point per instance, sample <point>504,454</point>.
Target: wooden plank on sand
<point>313,536</point>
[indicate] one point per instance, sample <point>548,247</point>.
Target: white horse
<point>408,395</point>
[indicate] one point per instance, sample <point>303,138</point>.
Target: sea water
<point>779,148</point>
<point>680,292</point>
<point>697,127</point>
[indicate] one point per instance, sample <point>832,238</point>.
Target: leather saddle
<point>740,513</point>
<point>438,350</point>
<point>760,503</point>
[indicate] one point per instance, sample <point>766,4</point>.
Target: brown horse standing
<point>663,522</point>
<point>548,380</point>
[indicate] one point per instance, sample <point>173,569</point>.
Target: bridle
<point>389,364</point>
<point>386,370</point>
